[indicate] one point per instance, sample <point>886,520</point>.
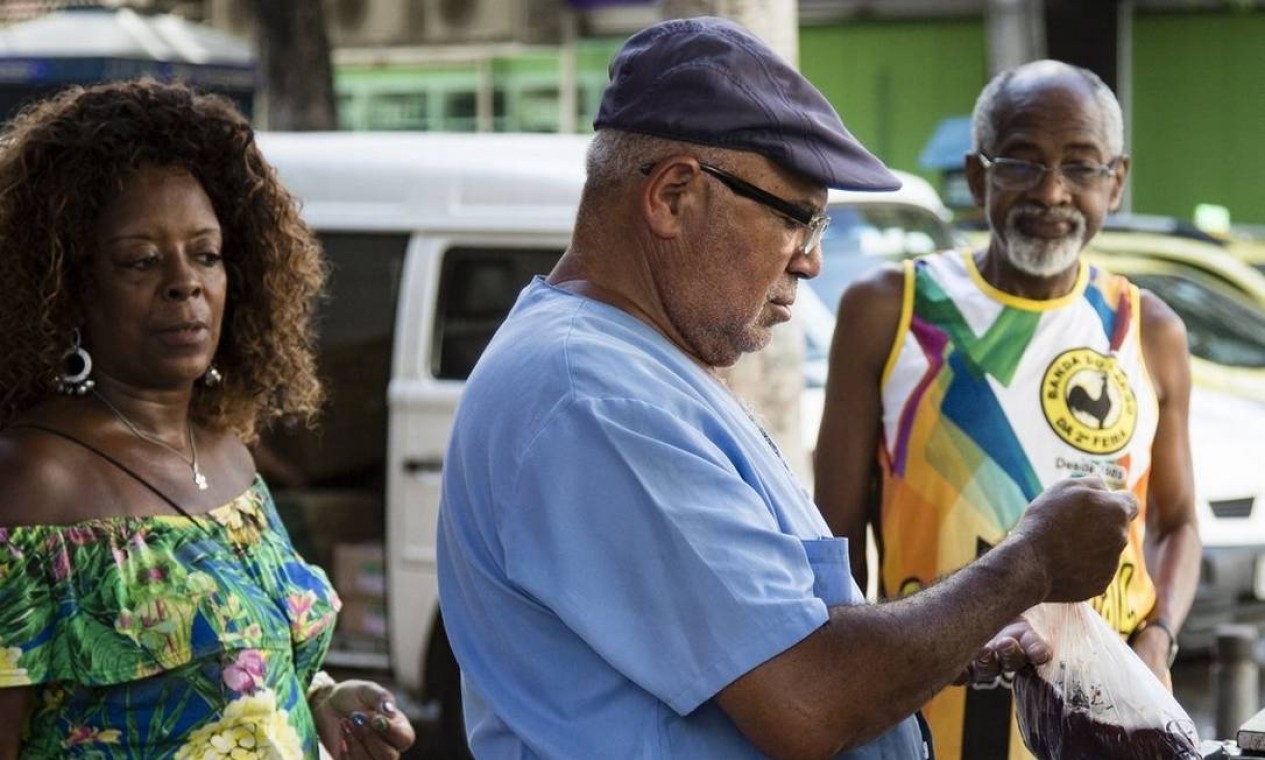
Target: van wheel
<point>443,684</point>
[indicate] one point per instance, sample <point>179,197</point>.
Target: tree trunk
<point>1016,33</point>
<point>1085,33</point>
<point>297,80</point>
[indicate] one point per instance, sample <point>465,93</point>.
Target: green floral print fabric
<point>165,637</point>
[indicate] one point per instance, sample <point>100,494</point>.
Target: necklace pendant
<point>200,480</point>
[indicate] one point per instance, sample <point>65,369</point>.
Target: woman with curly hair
<point>156,296</point>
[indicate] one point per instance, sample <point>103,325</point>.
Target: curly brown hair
<point>63,159</point>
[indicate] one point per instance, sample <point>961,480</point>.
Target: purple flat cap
<point>709,81</point>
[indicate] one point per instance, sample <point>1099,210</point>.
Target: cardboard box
<point>319,519</point>
<point>360,570</point>
<point>362,619</point>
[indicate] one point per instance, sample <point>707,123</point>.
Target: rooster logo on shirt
<point>1088,402</point>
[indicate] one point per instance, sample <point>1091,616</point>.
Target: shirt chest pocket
<point>832,575</point>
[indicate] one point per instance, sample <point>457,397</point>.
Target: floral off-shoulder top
<point>162,637</point>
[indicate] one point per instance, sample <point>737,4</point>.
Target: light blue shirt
<point>618,542</point>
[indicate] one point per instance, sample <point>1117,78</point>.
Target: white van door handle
<point>419,466</point>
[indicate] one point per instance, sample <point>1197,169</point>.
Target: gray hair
<point>614,163</point>
<point>991,101</point>
<point>616,157</point>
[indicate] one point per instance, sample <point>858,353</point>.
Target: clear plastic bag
<point>1095,698</point>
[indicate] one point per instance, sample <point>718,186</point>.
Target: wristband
<point>1163,625</point>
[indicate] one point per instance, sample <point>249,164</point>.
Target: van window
<point>477,287</point>
<point>364,283</point>
<point>355,332</point>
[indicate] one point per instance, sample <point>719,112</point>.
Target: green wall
<point>1198,121</point>
<point>1199,114</point>
<point>892,82</point>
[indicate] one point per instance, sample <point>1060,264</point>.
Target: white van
<point>430,239</point>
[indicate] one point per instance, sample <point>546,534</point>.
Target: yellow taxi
<point>1248,247</point>
<point>1219,297</point>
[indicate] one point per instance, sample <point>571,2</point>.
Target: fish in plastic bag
<point>1095,698</point>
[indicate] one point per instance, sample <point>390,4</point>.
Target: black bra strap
<point>107,458</point>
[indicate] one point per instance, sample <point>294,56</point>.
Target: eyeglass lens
<point>1017,174</point>
<point>813,234</point>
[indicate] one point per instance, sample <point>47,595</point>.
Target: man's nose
<point>1052,189</point>
<point>806,265</point>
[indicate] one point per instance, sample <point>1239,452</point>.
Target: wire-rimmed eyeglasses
<point>1018,175</point>
<point>814,223</point>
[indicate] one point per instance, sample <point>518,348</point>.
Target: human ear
<point>1117,182</point>
<point>976,178</point>
<point>669,193</point>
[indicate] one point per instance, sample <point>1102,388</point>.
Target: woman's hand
<point>358,720</point>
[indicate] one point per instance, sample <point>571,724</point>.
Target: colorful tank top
<point>988,399</point>
<point>161,637</point>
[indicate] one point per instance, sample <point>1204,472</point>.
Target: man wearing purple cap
<point>627,567</point>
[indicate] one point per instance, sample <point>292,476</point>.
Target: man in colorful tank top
<point>981,378</point>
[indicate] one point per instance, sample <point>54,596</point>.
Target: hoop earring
<point>213,377</point>
<point>75,379</point>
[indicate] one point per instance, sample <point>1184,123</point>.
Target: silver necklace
<point>198,478</point>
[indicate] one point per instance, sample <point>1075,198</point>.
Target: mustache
<point>1036,211</point>
<point>786,294</point>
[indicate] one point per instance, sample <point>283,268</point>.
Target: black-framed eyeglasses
<point>814,223</point>
<point>1018,175</point>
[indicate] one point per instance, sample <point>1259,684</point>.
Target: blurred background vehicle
<point>1221,300</point>
<point>1248,245</point>
<point>866,230</point>
<point>430,238</point>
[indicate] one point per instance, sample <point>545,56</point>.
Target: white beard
<point>1041,257</point>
